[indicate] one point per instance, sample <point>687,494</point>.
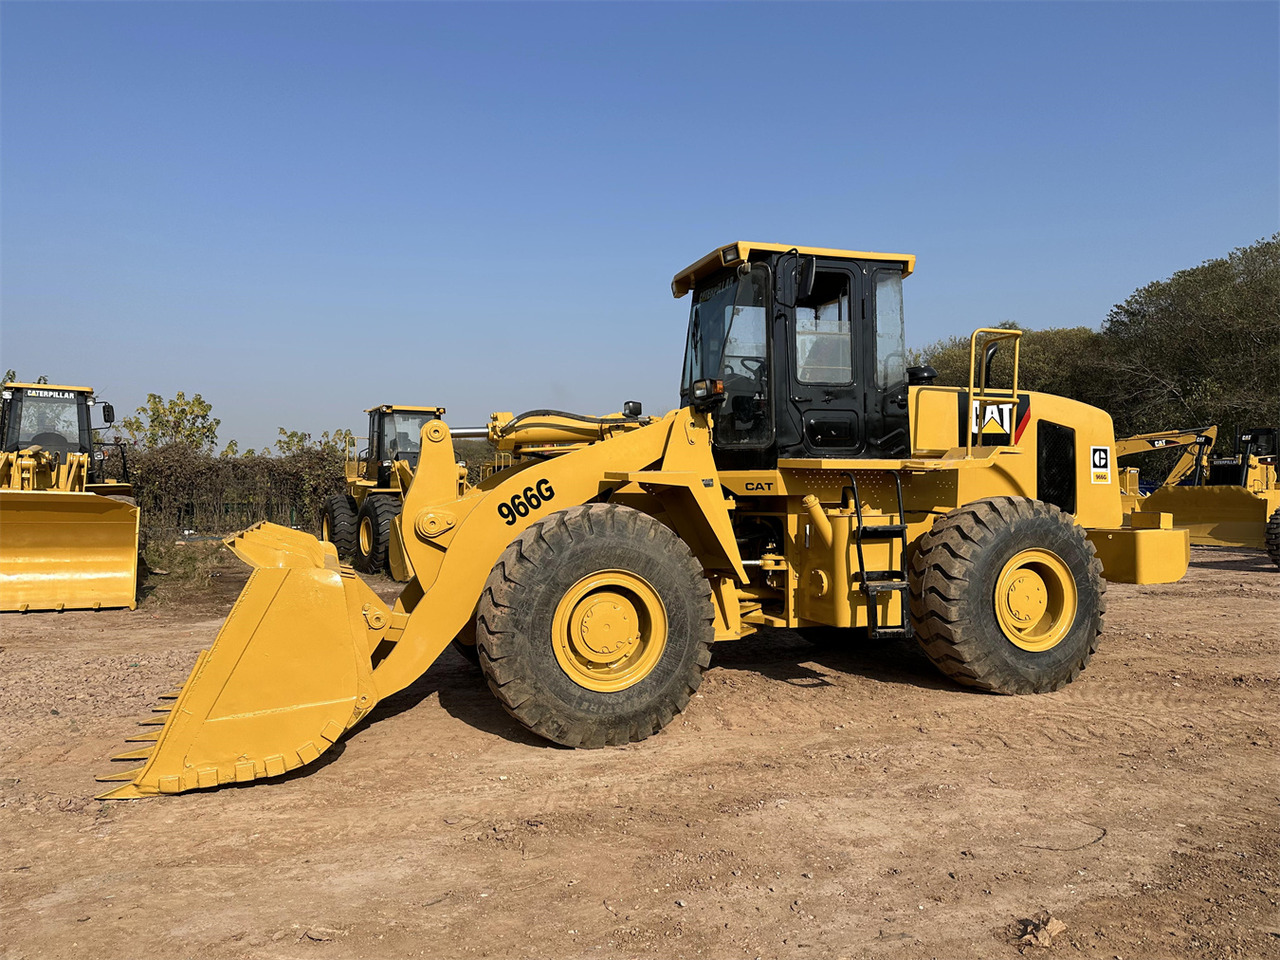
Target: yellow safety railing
<point>986,395</point>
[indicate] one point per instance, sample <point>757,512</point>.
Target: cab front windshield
<point>402,435</point>
<point>51,423</point>
<point>728,341</point>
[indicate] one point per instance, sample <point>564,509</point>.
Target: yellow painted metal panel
<point>69,551</point>
<point>683,281</point>
<point>287,672</point>
<point>1142,556</point>
<point>49,386</point>
<point>1218,515</point>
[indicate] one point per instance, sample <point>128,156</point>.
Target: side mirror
<point>805,276</point>
<point>632,408</point>
<point>986,363</point>
<point>108,413</point>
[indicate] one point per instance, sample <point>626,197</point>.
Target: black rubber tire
<point>1273,537</point>
<point>378,511</point>
<point>513,625</point>
<point>953,578</point>
<point>465,643</point>
<point>338,519</point>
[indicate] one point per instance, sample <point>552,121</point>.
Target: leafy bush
<point>182,488</point>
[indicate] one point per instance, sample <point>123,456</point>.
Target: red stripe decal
<point>1022,424</point>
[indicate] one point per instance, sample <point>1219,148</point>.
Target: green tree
<point>180,420</point>
<point>1201,347</point>
<point>11,376</point>
<point>1061,360</point>
<point>292,442</point>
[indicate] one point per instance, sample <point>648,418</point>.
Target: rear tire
<point>338,524</point>
<point>595,626</point>
<point>1007,595</point>
<point>373,533</point>
<point>1273,537</point>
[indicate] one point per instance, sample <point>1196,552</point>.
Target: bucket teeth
<point>142,754</point>
<point>289,672</point>
<point>119,777</point>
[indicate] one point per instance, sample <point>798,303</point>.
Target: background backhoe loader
<point>1191,466</point>
<point>809,478</point>
<point>68,535</point>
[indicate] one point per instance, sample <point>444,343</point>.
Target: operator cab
<point>805,348</point>
<point>54,418</point>
<point>395,433</point>
<point>1256,442</point>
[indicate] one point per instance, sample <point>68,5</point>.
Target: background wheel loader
<point>358,522</point>
<point>1228,501</point>
<point>68,534</point>
<point>809,478</point>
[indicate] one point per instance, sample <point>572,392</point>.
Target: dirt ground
<point>811,802</point>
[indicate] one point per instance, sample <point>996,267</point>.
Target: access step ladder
<point>875,582</point>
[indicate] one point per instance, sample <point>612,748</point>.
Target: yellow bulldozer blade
<point>1217,515</point>
<point>66,551</point>
<point>289,672</point>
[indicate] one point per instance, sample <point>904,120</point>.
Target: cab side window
<point>824,332</point>
<point>891,341</point>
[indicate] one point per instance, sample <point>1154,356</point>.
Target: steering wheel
<point>756,367</point>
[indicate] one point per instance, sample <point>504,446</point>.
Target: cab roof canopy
<point>48,386</point>
<point>401,408</point>
<point>685,280</point>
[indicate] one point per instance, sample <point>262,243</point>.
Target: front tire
<point>338,524</point>
<point>1007,595</point>
<point>595,626</point>
<point>373,533</point>
<point>1273,537</point>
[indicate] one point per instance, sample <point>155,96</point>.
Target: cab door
<point>823,346</point>
<point>884,363</point>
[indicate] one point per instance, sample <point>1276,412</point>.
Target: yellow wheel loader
<point>358,522</point>
<point>68,535</point>
<point>1230,501</point>
<point>809,478</point>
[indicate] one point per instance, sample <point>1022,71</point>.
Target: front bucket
<point>288,673</point>
<point>67,551</point>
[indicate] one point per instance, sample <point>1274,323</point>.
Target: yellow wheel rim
<point>324,528</point>
<point>1036,600</point>
<point>366,536</point>
<point>609,630</point>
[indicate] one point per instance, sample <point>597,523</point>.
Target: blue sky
<point>301,210</point>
